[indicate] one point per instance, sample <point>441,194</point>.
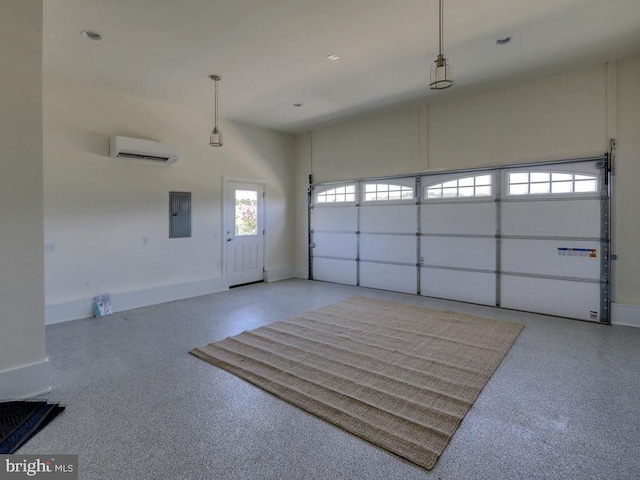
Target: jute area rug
<point>399,376</point>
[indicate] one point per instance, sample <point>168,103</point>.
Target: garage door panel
<point>397,278</point>
<point>342,245</point>
<point>463,218</point>
<point>388,248</point>
<point>552,297</point>
<point>389,218</point>
<point>342,219</point>
<point>552,257</point>
<point>460,252</point>
<point>561,218</point>
<point>336,271</point>
<point>471,287</point>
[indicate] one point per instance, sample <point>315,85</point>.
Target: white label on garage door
<point>577,252</point>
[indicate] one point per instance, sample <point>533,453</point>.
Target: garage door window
<point>345,193</point>
<point>387,191</point>
<point>551,183</point>
<point>476,186</point>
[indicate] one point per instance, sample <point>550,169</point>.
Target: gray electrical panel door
<point>179,214</point>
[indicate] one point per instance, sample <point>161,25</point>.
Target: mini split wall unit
<point>126,147</point>
<point>526,237</point>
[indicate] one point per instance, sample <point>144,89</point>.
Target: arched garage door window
<point>474,186</point>
<point>342,194</point>
<point>378,191</point>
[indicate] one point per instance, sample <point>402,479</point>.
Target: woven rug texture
<point>399,376</point>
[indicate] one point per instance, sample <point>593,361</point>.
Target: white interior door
<point>244,232</point>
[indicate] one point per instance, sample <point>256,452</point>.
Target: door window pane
<point>467,187</point>
<point>246,221</point>
<point>544,183</point>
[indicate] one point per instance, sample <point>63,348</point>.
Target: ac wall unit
<point>143,149</point>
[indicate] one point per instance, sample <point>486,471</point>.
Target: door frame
<point>262,210</point>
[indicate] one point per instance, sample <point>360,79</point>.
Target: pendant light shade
<point>441,72</point>
<point>215,139</point>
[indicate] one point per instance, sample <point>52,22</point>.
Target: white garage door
<point>551,240</point>
<point>334,224</point>
<point>388,240</point>
<point>458,237</point>
<point>531,238</point>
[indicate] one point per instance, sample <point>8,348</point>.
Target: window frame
<point>445,179</point>
<point>401,183</point>
<point>594,176</point>
<point>328,188</point>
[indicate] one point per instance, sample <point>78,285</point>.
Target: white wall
<point>394,142</point>
<point>98,209</point>
<point>23,365</point>
<point>562,116</point>
<point>626,186</point>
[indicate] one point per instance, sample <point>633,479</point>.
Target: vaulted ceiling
<point>272,54</point>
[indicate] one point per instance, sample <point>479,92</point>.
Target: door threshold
<point>245,284</point>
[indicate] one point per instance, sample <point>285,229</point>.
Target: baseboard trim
<point>25,382</point>
<point>628,315</point>
<point>277,274</point>
<point>78,309</point>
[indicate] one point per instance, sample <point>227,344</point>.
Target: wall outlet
<point>49,247</point>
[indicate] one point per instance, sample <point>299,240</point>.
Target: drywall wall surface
<point>106,219</point>
<point>563,116</point>
<point>389,143</point>
<point>626,181</point>
<point>22,332</point>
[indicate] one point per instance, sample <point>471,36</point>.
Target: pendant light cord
<point>216,105</point>
<point>441,34</point>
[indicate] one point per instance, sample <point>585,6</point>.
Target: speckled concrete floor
<point>562,405</point>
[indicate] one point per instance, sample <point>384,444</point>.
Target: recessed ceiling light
<point>333,57</point>
<point>91,35</point>
<point>297,104</point>
<point>503,40</point>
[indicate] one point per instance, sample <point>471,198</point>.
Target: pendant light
<point>441,73</point>
<point>215,139</point>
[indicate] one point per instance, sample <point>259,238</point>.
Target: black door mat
<point>19,421</point>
